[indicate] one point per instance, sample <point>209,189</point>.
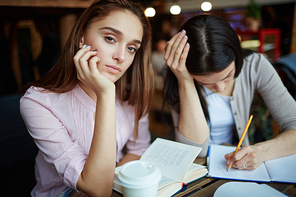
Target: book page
<point>172,158</point>
<point>165,181</point>
<point>172,189</point>
<point>282,169</point>
<point>195,167</point>
<point>195,171</point>
<point>218,166</point>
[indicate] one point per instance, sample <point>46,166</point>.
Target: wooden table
<point>206,187</point>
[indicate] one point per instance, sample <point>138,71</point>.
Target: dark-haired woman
<point>89,113</point>
<point>210,87</point>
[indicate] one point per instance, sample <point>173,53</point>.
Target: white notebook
<point>277,170</point>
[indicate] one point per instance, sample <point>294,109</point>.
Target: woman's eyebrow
<point>221,80</point>
<point>116,31</point>
<point>228,74</point>
<point>204,83</point>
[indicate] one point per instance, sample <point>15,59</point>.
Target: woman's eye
<point>110,39</point>
<point>228,76</point>
<point>132,49</point>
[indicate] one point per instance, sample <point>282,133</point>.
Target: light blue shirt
<point>257,75</point>
<point>221,118</point>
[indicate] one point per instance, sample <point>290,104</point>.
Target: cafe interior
<point>33,32</point>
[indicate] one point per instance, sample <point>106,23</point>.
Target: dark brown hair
<point>136,86</point>
<point>213,46</point>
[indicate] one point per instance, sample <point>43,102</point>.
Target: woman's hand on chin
<point>86,63</point>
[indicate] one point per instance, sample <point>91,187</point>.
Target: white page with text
<point>172,158</point>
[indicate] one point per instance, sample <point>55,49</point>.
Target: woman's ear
<point>81,42</point>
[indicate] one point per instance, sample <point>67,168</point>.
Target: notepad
<point>277,170</point>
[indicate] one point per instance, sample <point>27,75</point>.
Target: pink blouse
<point>62,126</point>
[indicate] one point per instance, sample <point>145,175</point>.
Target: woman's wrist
<point>110,93</point>
<point>263,149</point>
<point>186,84</point>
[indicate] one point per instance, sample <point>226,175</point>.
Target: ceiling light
<point>150,12</point>
<point>175,10</point>
<point>206,6</point>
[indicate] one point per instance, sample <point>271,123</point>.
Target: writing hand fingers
<point>243,159</point>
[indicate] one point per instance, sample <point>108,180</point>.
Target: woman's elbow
<point>99,191</point>
<point>102,192</point>
<point>96,189</point>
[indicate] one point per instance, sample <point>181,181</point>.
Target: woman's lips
<point>113,69</point>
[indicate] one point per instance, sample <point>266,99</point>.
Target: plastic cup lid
<point>139,174</point>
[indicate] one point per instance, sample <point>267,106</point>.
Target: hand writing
<point>246,158</point>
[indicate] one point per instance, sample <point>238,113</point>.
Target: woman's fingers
<point>80,53</point>
<point>175,47</point>
<point>93,64</point>
<point>176,54</point>
<point>244,158</point>
<point>181,54</point>
<point>169,46</point>
<point>85,60</point>
<point>77,58</point>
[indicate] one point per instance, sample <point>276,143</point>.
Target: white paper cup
<point>139,179</point>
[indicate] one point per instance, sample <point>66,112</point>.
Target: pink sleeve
<point>53,140</point>
<point>143,140</point>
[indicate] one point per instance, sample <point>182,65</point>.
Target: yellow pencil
<point>242,138</point>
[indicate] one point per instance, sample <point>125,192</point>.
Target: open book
<point>277,170</point>
<point>175,161</point>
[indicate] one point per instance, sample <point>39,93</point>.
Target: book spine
<point>208,161</point>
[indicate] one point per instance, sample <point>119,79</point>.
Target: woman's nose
<point>219,87</point>
<point>119,54</point>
